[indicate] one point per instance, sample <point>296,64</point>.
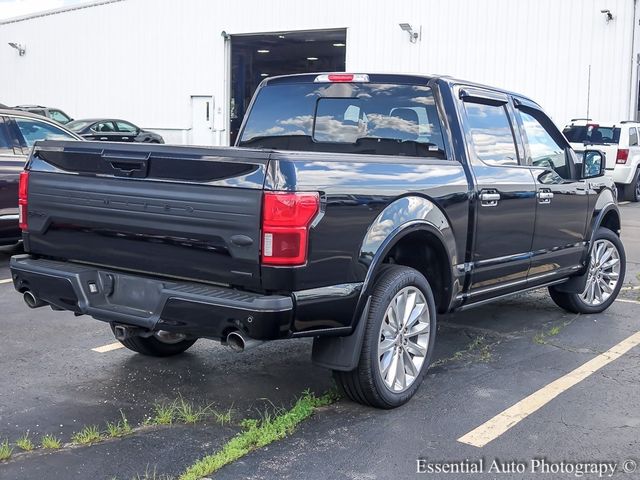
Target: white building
<point>187,68</point>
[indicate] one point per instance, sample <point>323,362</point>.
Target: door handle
<point>544,196</point>
<point>489,199</point>
<point>104,138</point>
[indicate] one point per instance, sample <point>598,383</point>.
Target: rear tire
<point>395,355</point>
<point>605,277</point>
<point>631,192</point>
<point>154,346</point>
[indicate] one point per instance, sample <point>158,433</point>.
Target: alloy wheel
<point>604,273</point>
<point>404,339</point>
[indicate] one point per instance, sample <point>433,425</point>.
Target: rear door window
<point>491,133</point>
<point>368,118</point>
<point>633,137</point>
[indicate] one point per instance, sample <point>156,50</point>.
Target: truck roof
<point>405,78</point>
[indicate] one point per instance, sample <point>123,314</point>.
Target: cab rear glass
<point>367,118</point>
<point>592,134</point>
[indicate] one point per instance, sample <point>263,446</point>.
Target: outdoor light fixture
<point>338,44</point>
<point>21,48</point>
<point>413,36</point>
<point>312,58</point>
<point>608,14</point>
<point>263,51</point>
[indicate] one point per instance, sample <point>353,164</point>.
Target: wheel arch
<point>394,229</point>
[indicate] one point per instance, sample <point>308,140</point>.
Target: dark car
<point>353,210</point>
<point>18,132</point>
<point>52,113</point>
<point>112,130</point>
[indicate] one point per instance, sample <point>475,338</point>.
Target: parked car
<point>113,130</point>
<point>18,132</point>
<point>52,113</point>
<point>354,209</point>
<point>620,144</point>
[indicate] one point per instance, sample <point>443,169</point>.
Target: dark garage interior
<point>255,57</point>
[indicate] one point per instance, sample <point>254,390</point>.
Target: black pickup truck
<point>353,209</point>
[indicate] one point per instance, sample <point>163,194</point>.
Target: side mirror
<point>593,164</point>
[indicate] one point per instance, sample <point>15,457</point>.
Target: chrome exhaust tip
<point>32,301</point>
<point>239,343</point>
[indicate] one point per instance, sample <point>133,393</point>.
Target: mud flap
<point>341,353</point>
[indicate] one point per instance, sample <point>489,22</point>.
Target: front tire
<point>604,278</point>
<point>398,341</point>
<point>160,344</point>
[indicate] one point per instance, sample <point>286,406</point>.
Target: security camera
<point>21,48</point>
<point>608,14</point>
<point>413,36</point>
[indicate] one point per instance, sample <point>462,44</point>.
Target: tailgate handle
<point>127,166</point>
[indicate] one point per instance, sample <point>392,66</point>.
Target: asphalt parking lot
<point>487,360</point>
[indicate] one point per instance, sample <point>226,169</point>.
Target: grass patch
<point>25,443</point>
<point>541,337</point>
<point>152,475</point>
<point>257,434</point>
<point>119,428</point>
<point>188,413</point>
<point>5,451</point>
<point>50,442</point>
<point>163,414</point>
<point>223,418</point>
<point>88,435</point>
<point>478,348</point>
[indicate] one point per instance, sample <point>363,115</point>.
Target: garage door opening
<point>255,57</point>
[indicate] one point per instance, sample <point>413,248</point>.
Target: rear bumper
<point>9,231</point>
<point>191,308</point>
<point>623,174</point>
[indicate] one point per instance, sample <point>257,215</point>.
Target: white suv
<point>619,141</point>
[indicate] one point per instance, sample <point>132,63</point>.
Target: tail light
<point>23,194</point>
<point>286,217</point>
<point>622,156</point>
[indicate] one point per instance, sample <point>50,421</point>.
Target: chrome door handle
<point>489,199</point>
<point>544,196</point>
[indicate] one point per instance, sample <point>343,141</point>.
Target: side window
<point>125,127</point>
<point>491,132</point>
<point>544,151</point>
<point>633,137</point>
<point>6,145</point>
<point>33,130</point>
<point>103,127</point>
<point>58,116</point>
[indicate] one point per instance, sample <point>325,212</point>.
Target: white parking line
<point>510,417</point>
<point>108,348</point>
<point>624,300</point>
<point>6,280</point>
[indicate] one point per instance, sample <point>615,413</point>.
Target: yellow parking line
<point>6,280</point>
<point>108,348</point>
<point>510,417</point>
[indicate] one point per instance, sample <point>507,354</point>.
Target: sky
<point>17,8</point>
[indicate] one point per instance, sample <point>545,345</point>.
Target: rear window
<point>592,134</point>
<point>382,119</point>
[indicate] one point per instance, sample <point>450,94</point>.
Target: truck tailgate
<point>181,212</point>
